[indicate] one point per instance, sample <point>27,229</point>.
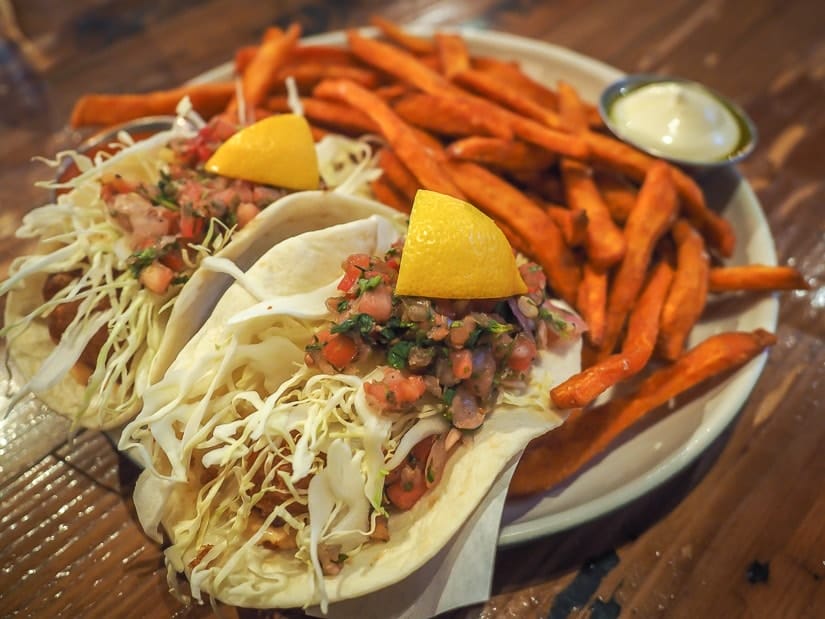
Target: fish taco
<point>322,436</point>
<point>117,256</point>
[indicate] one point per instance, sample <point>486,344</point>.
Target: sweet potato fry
<point>688,296</point>
<point>643,326</point>
<point>756,277</point>
<point>605,242</point>
<point>564,452</point>
<point>398,174</point>
<point>452,53</point>
<point>572,113</point>
<point>591,302</point>
<point>261,73</point>
<point>323,54</point>
<point>650,219</point>
<point>573,224</point>
<point>396,34</point>
<point>421,161</point>
<point>450,116</point>
<point>336,116</point>
<point>506,204</point>
<point>386,193</point>
<point>308,74</point>
<point>404,66</point>
<point>243,56</point>
<point>106,109</point>
<point>555,141</point>
<point>624,158</point>
<point>506,155</point>
<point>518,81</point>
<point>393,91</point>
<point>495,90</point>
<point>618,193</point>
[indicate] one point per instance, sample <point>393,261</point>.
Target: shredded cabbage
<point>76,234</point>
<point>302,453</point>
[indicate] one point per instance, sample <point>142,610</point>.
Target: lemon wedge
<point>277,150</point>
<point>454,251</point>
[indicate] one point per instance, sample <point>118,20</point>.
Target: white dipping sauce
<point>679,120</point>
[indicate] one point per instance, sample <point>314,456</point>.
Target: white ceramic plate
<point>650,457</point>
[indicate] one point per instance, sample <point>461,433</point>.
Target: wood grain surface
<point>738,533</point>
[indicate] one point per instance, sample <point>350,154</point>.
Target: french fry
<point>419,159</point>
<point>591,302</point>
<point>572,113</point>
<point>618,193</point>
<point>688,296</point>
<point>566,451</point>
<point>554,141</point>
<point>756,277</point>
<point>653,215</point>
<point>605,243</point>
<point>619,156</point>
<point>398,174</point>
<point>518,81</point>
<point>495,90</point>
<point>506,155</point>
<point>452,53</point>
<point>573,224</point>
<point>336,116</point>
<point>643,327</point>
<point>261,73</point>
<point>506,204</point>
<point>395,33</point>
<point>386,193</point>
<point>448,116</point>
<point>111,109</point>
<point>398,63</point>
<point>307,75</point>
<point>313,54</point>
<point>393,91</point>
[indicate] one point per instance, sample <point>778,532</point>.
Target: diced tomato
<point>338,349</point>
<point>462,363</point>
<point>395,390</point>
<point>354,267</point>
<point>533,276</point>
<point>156,277</point>
<point>376,303</point>
<point>191,225</point>
<point>405,493</point>
<point>173,260</point>
<point>422,449</point>
<point>522,353</point>
<point>246,212</point>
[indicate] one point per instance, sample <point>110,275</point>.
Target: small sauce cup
<point>679,120</point>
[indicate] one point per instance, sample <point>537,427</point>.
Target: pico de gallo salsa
<point>454,353</point>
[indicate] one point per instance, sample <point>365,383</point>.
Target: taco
<point>86,314</point>
<point>321,437</point>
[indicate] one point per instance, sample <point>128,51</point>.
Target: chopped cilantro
<point>449,394</point>
<point>398,354</point>
<point>142,259</point>
<point>430,475</point>
<point>343,305</point>
<point>365,284</point>
<point>498,327</point>
<point>363,323</point>
<point>559,324</point>
<point>180,279</point>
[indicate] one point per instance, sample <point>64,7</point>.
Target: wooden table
<point>740,533</point>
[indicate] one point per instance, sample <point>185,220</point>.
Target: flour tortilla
<point>289,216</point>
<point>266,578</point>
